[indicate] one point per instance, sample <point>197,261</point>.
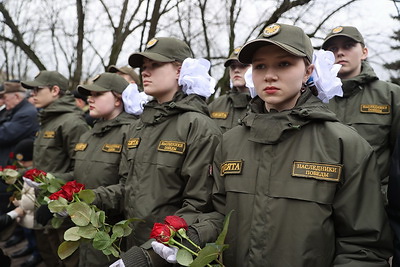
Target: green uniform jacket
<point>97,159</point>
<point>166,166</point>
<point>227,110</point>
<point>372,107</point>
<point>304,191</point>
<point>61,126</point>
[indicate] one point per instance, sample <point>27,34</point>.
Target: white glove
<point>167,253</point>
<point>118,263</point>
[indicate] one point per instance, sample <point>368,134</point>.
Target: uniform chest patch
<point>319,171</point>
<point>49,134</point>
<point>378,109</point>
<point>80,146</point>
<point>172,146</point>
<point>219,115</point>
<point>133,143</point>
<point>112,148</point>
<point>231,167</point>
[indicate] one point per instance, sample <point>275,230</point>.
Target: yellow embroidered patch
<point>112,148</point>
<point>337,29</point>
<point>172,146</point>
<point>49,134</point>
<point>319,171</point>
<point>151,43</point>
<point>219,115</point>
<point>19,156</point>
<point>133,143</point>
<point>231,167</point>
<point>80,146</point>
<point>378,109</point>
<point>271,30</point>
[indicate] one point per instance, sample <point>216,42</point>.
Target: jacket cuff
<point>136,256</point>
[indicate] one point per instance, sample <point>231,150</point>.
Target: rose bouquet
<point>46,184</point>
<point>174,231</point>
<point>90,222</point>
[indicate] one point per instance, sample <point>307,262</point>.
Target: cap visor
<point>86,89</point>
<point>324,44</point>
<point>246,53</point>
<point>136,59</point>
<point>32,84</point>
<point>113,69</point>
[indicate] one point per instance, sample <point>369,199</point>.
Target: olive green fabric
<point>166,165</point>
<point>288,37</point>
<point>61,126</point>
<point>162,49</point>
<point>46,78</point>
<point>232,57</point>
<point>228,109</point>
<point>347,31</point>
<point>285,216</point>
<point>372,107</point>
<point>104,82</point>
<point>126,70</point>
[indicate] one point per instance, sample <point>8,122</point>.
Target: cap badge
<point>236,50</point>
<point>151,43</point>
<point>271,30</point>
<point>96,77</point>
<point>19,156</point>
<point>337,29</point>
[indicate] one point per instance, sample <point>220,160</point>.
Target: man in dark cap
<point>3,109</point>
<point>21,121</point>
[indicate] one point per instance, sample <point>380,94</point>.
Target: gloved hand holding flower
<point>169,236</point>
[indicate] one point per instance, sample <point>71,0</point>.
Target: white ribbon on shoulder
<point>249,82</point>
<point>325,77</point>
<point>134,100</point>
<point>194,77</point>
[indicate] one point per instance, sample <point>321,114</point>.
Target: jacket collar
<point>274,127</point>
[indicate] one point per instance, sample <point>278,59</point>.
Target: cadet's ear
<point>364,53</point>
<point>55,90</point>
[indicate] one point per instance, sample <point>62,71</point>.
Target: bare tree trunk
<point>18,39</point>
<point>76,78</point>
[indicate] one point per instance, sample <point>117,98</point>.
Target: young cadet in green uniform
<point>98,152</point>
<point>303,186</point>
<point>227,110</point>
<point>61,125</point>
<point>167,161</point>
<point>368,104</point>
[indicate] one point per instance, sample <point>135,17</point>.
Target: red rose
<point>11,155</point>
<point>10,167</point>
<point>161,232</point>
<point>57,195</point>
<point>34,173</point>
<point>1,168</point>
<point>176,222</point>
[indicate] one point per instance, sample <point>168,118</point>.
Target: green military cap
<point>162,49</point>
<point>126,70</point>
<point>103,83</point>
<point>288,37</point>
<point>233,56</point>
<point>46,78</point>
<point>347,31</point>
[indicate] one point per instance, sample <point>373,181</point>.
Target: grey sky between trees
<point>50,29</point>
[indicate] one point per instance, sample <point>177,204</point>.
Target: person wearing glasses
<point>61,125</point>
<point>226,110</point>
